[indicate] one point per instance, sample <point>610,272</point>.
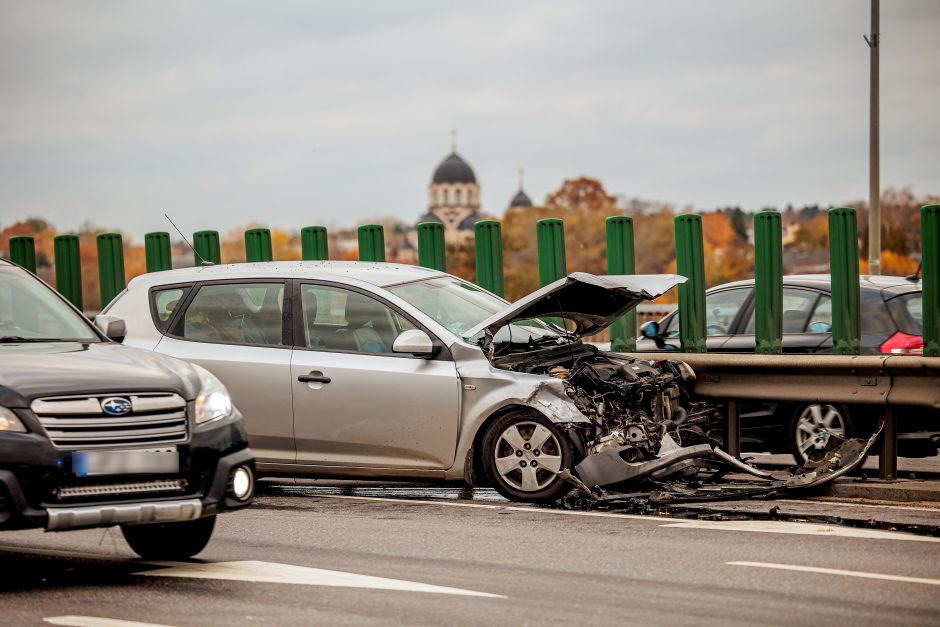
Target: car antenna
<point>202,262</point>
<point>914,278</point>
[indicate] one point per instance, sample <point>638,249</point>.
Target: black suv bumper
<point>32,470</point>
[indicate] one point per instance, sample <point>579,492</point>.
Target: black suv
<point>891,313</point>
<point>95,434</point>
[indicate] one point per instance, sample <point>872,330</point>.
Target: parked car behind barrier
<point>95,434</point>
<point>890,324</point>
<point>352,369</point>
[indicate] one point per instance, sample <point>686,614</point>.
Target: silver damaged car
<point>387,371</point>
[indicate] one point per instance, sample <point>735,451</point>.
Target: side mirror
<point>650,330</point>
<point>415,342</point>
<point>112,326</point>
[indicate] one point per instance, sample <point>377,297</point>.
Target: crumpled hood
<point>592,302</point>
<point>29,371</point>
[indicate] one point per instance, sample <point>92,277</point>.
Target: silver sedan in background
<point>353,369</point>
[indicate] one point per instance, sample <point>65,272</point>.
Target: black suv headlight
<point>9,422</point>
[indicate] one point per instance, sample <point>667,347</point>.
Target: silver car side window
<point>236,313</point>
<point>343,320</point>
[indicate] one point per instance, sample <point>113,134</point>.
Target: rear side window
<point>873,315</point>
<point>164,303</point>
<point>908,313</point>
<point>721,308</point>
<point>236,313</point>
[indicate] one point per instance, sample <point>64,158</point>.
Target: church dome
<point>454,169</point>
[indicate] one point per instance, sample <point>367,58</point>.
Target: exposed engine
<point>631,403</point>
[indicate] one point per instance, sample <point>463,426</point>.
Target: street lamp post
<point>874,186</point>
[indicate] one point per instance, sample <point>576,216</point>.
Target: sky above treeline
<point>289,113</point>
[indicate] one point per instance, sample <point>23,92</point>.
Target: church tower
<point>454,197</point>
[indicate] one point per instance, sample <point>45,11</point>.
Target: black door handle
<point>313,378</point>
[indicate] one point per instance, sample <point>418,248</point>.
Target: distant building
<point>454,198</point>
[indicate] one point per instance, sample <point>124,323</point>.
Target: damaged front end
<point>647,437</point>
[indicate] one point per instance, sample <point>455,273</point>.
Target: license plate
<point>137,461</point>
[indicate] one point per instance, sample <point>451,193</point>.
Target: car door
<point>799,306</point>
<point>357,403</point>
<point>237,331</point>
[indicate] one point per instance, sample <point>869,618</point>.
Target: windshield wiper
<point>16,339</point>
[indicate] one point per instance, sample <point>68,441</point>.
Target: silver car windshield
<point>31,312</point>
<point>459,306</point>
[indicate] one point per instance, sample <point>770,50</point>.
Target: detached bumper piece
<point>63,518</point>
<point>697,473</point>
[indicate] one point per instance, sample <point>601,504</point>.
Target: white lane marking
<point>876,506</point>
<point>96,621</point>
<point>509,508</point>
<point>768,526</point>
<point>812,529</point>
<point>268,572</point>
<point>836,571</point>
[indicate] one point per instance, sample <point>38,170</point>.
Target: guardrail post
<point>371,242</point>
<point>23,252</point>
<point>68,268</point>
<point>258,245</point>
<point>551,247</point>
<point>621,260</point>
<point>768,283</point>
<point>888,455</point>
<point>930,267</point>
<point>690,263</point>
<point>314,244</point>
<point>846,293</point>
<point>157,251</point>
<point>431,252</point>
<point>733,429</point>
<point>111,281</point>
<point>207,246</point>
<point>488,240</point>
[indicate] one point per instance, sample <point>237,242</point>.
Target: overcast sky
<point>296,113</point>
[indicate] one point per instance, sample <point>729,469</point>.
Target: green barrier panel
<point>371,242</point>
<point>157,251</point>
<point>431,253</point>
<point>551,246</point>
<point>68,268</point>
<point>930,260</point>
<point>258,245</point>
<point>207,246</point>
<point>111,280</point>
<point>690,263</point>
<point>768,282</point>
<point>23,252</point>
<point>314,244</point>
<point>488,240</point>
<point>621,260</point>
<point>846,293</point>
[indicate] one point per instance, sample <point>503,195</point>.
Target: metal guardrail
<point>888,381</point>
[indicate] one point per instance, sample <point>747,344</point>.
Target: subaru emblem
<point>116,406</point>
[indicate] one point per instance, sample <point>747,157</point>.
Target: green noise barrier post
<point>621,260</point>
<point>690,263</point>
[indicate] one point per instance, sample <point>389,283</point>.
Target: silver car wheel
<point>527,456</point>
<point>815,425</point>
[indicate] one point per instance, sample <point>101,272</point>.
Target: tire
<point>521,452</point>
<point>169,541</point>
<point>811,426</point>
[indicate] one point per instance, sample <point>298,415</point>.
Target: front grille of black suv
<point>80,422</point>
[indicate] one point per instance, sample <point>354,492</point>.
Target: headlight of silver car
<point>9,422</point>
<point>213,401</point>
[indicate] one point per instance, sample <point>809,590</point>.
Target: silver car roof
<point>380,274</point>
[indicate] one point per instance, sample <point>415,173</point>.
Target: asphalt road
<point>306,556</point>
